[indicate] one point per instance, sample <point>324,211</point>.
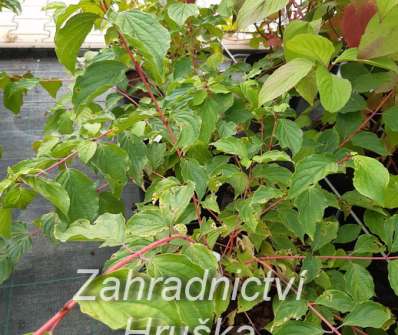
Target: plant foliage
<point>287,164</point>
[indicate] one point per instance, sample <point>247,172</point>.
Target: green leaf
<point>87,150</point>
<point>108,203</point>
<point>326,232</point>
<point>233,146</point>
<point>71,36</point>
<point>370,141</point>
<point>272,156</point>
<point>310,171</point>
<point>359,283</point>
<point>307,88</point>
<point>20,241</point>
<point>5,222</point>
<point>393,275</point>
<point>368,244</point>
<point>180,12</point>
<point>52,191</point>
<point>333,90</point>
<point>210,112</point>
<point>351,55</point>
<point>6,269</point>
<point>175,200</point>
<point>380,35</point>
<point>310,46</point>
<point>311,205</point>
<point>289,135</point>
<point>192,171</point>
<point>52,86</point>
<point>148,222</point>
<point>289,218</point>
<point>297,27</point>
<point>116,314</point>
<point>370,178</point>
<point>390,194</point>
<point>18,197</point>
<point>298,328</point>
<point>338,300</point>
<point>137,151</point>
<point>201,255</point>
<point>368,314</point>
<point>348,233</point>
<point>108,228</point>
<point>96,79</point>
<point>255,10</point>
<point>151,39</point>
<point>284,79</point>
<point>189,124</point>
<point>264,194</point>
<point>113,163</point>
<point>14,92</point>
<point>84,201</point>
<point>288,309</point>
<point>312,266</point>
<point>385,6</point>
<point>390,118</point>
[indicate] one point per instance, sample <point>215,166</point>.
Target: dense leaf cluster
<point>224,154</point>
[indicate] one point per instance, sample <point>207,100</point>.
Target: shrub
<point>284,166</point>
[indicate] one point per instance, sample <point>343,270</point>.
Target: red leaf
<point>355,19</point>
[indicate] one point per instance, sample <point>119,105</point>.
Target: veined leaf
<point>371,178</point>
<point>147,223</point>
<point>84,201</point>
<point>310,171</point>
<point>338,300</point>
<point>71,36</point>
<point>113,163</point>
<point>351,55</point>
<point>289,135</point>
<point>96,79</point>
<point>108,228</point>
<point>380,36</point>
<point>192,171</point>
<point>180,12</point>
<point>52,191</point>
<point>145,33</point>
<point>368,314</point>
<point>255,10</point>
<point>284,79</point>
<point>393,275</point>
<point>359,283</point>
<point>333,90</point>
<point>311,205</point>
<point>310,46</point>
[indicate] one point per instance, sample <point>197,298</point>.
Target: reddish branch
<point>310,305</point>
<point>297,257</point>
<point>366,121</point>
<point>71,155</point>
<point>52,323</point>
<point>144,80</point>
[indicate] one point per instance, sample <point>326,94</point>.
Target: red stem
<point>50,325</point>
<point>309,304</point>
<point>365,122</point>
<point>71,155</point>
<point>292,257</point>
<point>142,76</point>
